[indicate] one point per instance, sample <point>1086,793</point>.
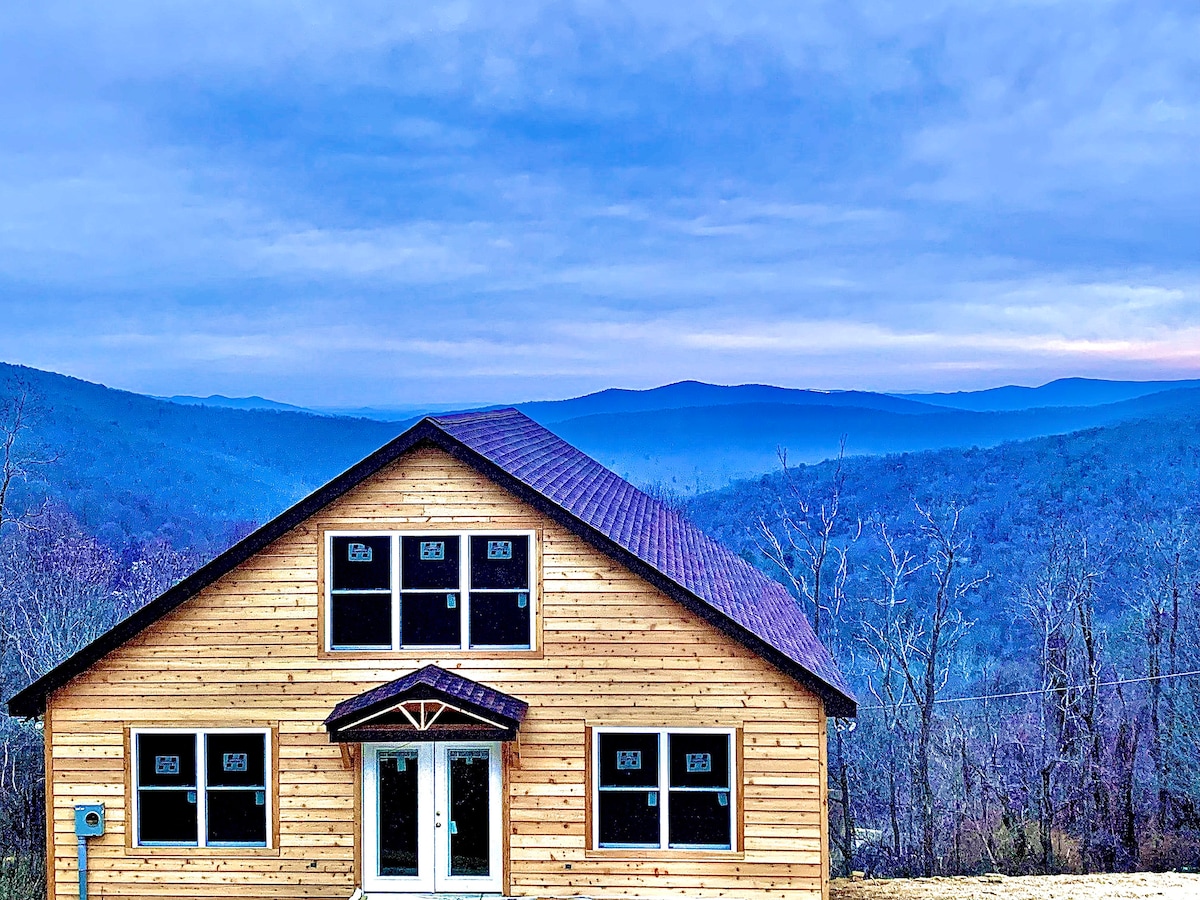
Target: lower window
<point>660,788</point>
<point>201,788</point>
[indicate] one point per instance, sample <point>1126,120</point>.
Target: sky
<point>383,203</point>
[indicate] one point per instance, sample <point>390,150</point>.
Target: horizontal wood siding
<point>613,651</point>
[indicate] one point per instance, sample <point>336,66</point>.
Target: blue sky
<point>387,203</point>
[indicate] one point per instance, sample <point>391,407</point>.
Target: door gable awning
<point>430,704</point>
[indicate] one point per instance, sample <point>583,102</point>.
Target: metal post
<point>82,867</point>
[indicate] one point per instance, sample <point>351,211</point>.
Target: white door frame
<point>433,836</point>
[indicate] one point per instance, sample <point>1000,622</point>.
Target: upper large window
<point>438,590</point>
<point>201,789</point>
<point>659,788</point>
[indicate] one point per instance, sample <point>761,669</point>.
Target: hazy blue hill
<point>1106,481</point>
<point>703,447</point>
<point>1063,392</point>
<point>235,402</point>
<point>685,394</point>
<point>133,466</point>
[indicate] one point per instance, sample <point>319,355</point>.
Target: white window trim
<point>202,788</point>
<point>664,788</point>
<point>464,590</point>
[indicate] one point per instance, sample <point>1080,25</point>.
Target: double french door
<point>431,818</point>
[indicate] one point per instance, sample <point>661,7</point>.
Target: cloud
<point>536,198</point>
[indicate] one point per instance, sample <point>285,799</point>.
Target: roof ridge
<point>477,415</point>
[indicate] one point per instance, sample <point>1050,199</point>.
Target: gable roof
<point>537,466</point>
<point>428,683</point>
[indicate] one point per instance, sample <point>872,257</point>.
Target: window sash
<point>201,787</point>
<point>464,590</point>
<point>663,788</point>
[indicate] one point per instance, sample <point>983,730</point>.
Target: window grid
<point>464,591</point>
<point>663,787</point>
<point>200,786</point>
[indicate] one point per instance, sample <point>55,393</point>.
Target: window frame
<point>464,591</point>
<point>663,789</point>
<point>202,790</point>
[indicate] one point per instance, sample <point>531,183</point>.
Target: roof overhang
<point>31,701</point>
<point>430,704</point>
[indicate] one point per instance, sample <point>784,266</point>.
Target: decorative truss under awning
<point>430,704</point>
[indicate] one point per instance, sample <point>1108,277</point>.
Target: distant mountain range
<point>135,465</point>
<point>1063,392</point>
<point>221,402</point>
<point>683,394</point>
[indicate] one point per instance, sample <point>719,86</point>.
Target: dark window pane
<point>237,817</point>
<point>430,620</point>
<point>166,760</point>
<point>167,817</point>
<point>699,760</point>
<point>698,819</point>
<point>629,818</point>
<point>360,620</point>
<point>500,619</point>
<point>398,835</point>
<point>236,760</point>
<point>429,562</point>
<point>500,561</point>
<point>470,824</point>
<point>628,760</point>
<point>361,563</point>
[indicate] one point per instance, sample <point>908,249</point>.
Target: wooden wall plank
<point>612,651</point>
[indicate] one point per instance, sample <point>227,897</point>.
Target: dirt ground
<point>1139,886</point>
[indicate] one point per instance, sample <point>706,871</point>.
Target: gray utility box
<point>89,819</point>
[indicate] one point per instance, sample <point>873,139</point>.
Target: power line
<point>1052,690</point>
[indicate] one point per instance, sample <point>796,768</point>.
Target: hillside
<point>1061,392</point>
<point>130,466</point>
<point>692,449</point>
<point>192,469</point>
<point>1107,481</point>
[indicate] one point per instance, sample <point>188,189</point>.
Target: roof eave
<point>31,701</point>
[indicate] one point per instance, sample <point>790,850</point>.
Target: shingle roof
<point>445,685</point>
<point>543,470</point>
<point>654,533</point>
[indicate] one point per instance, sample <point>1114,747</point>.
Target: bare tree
<point>805,545</point>
<point>808,546</point>
<point>923,637</point>
<point>1160,595</point>
<point>887,686</point>
<point>18,462</point>
<point>1046,607</point>
<point>59,592</point>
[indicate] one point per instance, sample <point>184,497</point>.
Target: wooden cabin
<point>477,662</point>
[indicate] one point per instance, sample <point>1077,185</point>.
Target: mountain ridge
<point>133,465</point>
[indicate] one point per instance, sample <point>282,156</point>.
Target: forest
<point>1021,624</point>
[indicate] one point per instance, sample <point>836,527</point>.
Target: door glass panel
<point>468,778</point>
<point>398,825</point>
